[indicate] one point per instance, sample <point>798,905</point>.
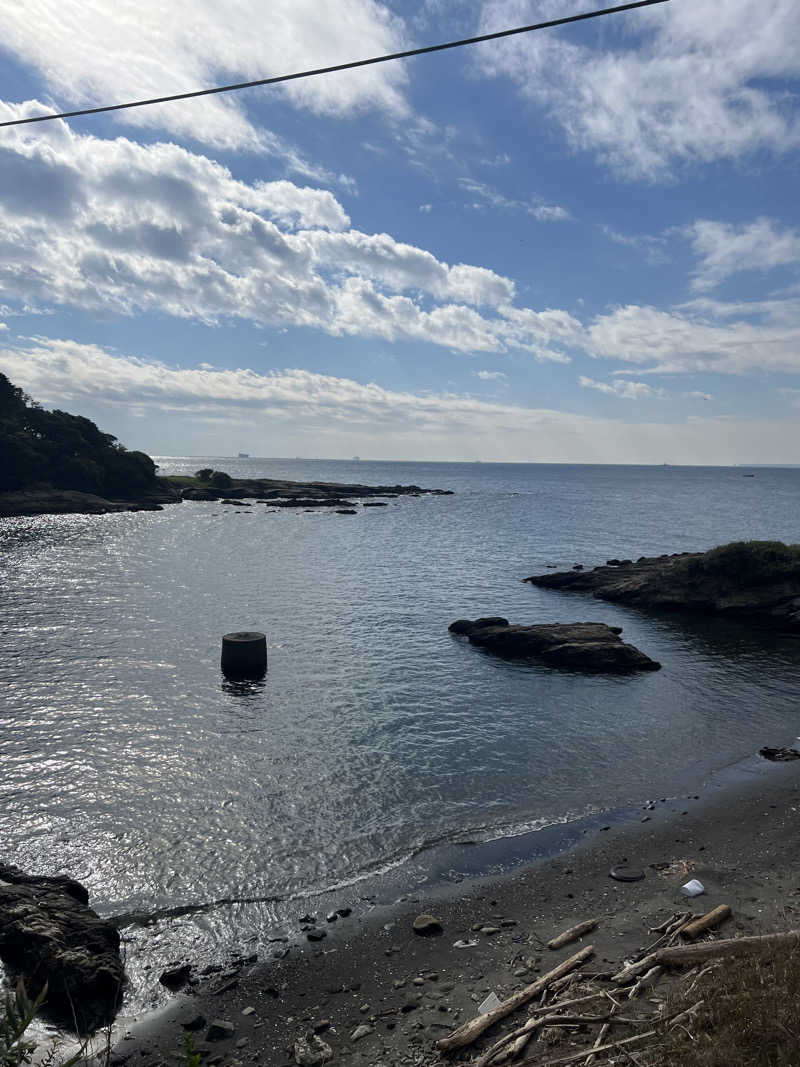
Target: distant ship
<point>244,455</point>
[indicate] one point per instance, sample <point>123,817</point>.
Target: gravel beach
<point>377,993</point>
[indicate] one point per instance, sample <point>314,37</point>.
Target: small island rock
<point>581,646</point>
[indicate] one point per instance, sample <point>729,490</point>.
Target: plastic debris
<point>693,888</point>
<point>492,1001</point>
<point>464,944</point>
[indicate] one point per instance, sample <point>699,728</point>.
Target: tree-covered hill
<point>55,450</point>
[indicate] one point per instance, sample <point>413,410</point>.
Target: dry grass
<point>750,1016</point>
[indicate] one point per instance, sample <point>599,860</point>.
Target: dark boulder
<point>49,935</point>
<point>579,646</point>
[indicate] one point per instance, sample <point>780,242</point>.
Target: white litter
<point>693,888</point>
<point>492,1001</point>
<point>464,944</point>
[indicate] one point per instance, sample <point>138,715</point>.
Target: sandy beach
<point>378,994</point>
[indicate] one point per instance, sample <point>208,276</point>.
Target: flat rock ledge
<point>577,646</point>
<point>49,934</point>
<point>757,582</point>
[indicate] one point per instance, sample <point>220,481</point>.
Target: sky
<point>575,245</point>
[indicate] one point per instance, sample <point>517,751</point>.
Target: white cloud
<point>485,196</point>
<point>118,227</point>
<point>491,375</point>
<point>426,209</point>
<point>697,394</point>
<point>663,87</point>
<point>679,341</point>
<point>724,249</point>
<point>94,54</point>
<point>280,409</point>
<point>622,388</point>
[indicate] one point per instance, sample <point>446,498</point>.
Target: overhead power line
<point>338,66</point>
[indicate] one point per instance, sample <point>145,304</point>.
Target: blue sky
<point>577,245</point>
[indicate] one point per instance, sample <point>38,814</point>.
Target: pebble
<point>193,1021</point>
<point>249,1010</point>
<point>520,972</point>
<point>490,930</point>
<point>220,1030</point>
<point>399,983</point>
<point>344,912</point>
<point>427,926</point>
<point>331,917</point>
<point>242,1042</point>
<point>311,1053</point>
<point>322,1026</point>
<point>316,935</point>
<point>418,981</point>
<point>361,1031</point>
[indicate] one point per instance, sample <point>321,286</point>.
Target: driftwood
<point>706,922</point>
<point>575,1056</point>
<point>473,1028</point>
<point>687,955</point>
<point>602,1035</point>
<point>646,980</point>
<point>633,970</point>
<point>573,933</point>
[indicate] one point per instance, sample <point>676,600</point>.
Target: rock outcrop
<point>49,934</point>
<point>756,581</point>
<point>578,646</point>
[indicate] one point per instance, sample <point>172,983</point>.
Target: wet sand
<point>380,995</point>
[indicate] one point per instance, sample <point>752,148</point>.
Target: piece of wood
<point>685,1016</point>
<point>575,1056</point>
<point>569,1003</point>
<point>706,922</point>
<point>648,979</point>
<point>633,970</point>
<point>687,955</point>
<point>573,933</point>
<point>602,1035</point>
<point>473,1028</point>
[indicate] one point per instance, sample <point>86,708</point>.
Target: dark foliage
<point>749,562</point>
<point>53,449</point>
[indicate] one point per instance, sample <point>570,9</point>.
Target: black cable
<point>340,66</point>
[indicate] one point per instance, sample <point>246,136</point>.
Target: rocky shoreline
<point>275,492</point>
<point>755,581</point>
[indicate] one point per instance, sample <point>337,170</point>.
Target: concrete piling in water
<point>244,654</point>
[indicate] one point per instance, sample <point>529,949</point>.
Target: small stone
<point>508,922</point>
<point>364,1009</point>
<point>193,1021</point>
<point>418,981</point>
<point>427,926</point>
<point>520,972</point>
<point>362,1031</point>
<point>490,930</point>
<point>399,983</point>
<point>242,1042</point>
<point>322,1026</point>
<point>174,977</point>
<point>344,912</point>
<point>220,1030</point>
<point>306,919</point>
<point>311,1052</point>
<point>248,1010</point>
<point>316,935</point>
<point>331,917</point>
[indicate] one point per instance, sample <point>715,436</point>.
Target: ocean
<point>208,811</point>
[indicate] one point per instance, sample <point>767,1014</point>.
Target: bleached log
<point>687,955</point>
<point>473,1028</point>
<point>706,922</point>
<point>573,933</point>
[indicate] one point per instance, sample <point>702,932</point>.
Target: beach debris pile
<point>569,1002</point>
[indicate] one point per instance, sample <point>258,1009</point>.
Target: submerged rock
<point>582,646</point>
<point>50,935</point>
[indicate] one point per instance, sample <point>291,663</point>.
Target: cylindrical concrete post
<point>244,655</point>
